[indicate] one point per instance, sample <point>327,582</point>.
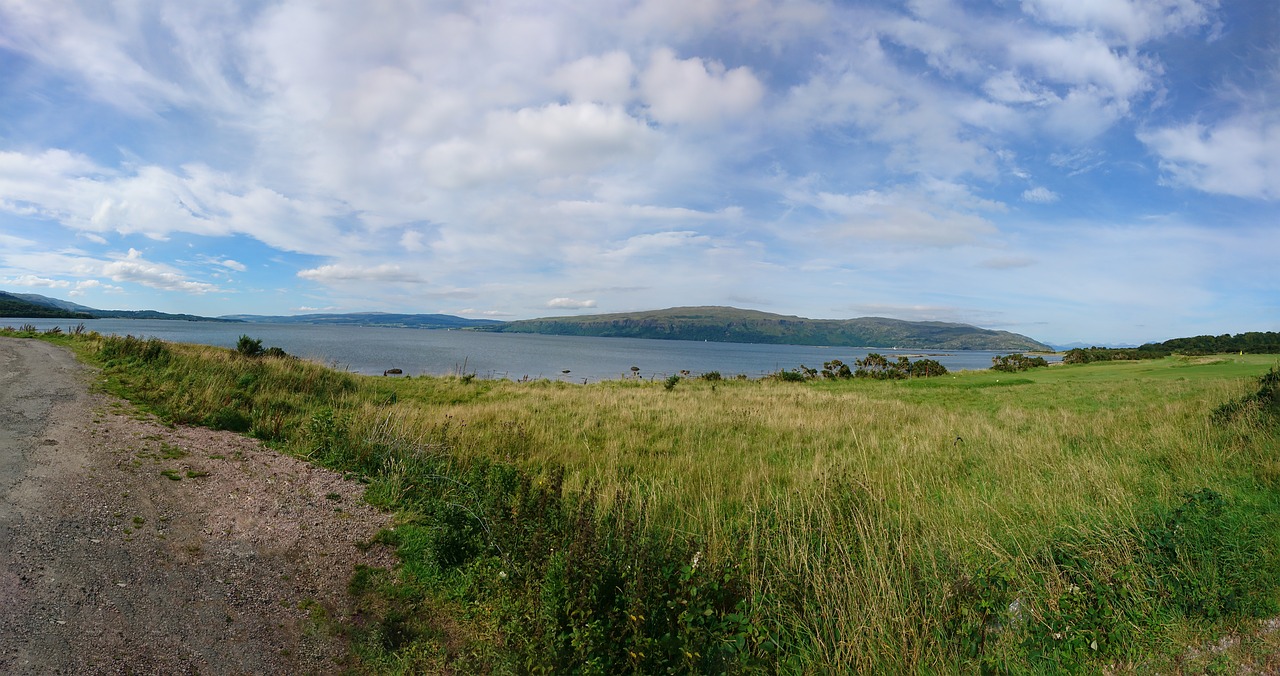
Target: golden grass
<point>860,498</point>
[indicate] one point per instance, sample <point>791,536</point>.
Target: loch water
<point>373,350</point>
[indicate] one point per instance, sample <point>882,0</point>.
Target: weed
<point>170,452</point>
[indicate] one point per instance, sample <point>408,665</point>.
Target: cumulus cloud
<point>35,281</point>
<point>570,304</point>
<point>1040,195</point>
<point>1084,60</point>
<point>71,189</point>
<point>606,78</point>
<point>1239,156</point>
<point>132,267</point>
<point>697,91</point>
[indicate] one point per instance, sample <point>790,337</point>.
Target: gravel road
<point>130,547</point>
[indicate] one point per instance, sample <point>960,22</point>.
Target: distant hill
<point>732,325</point>
<point>390,319</point>
<point>37,303</point>
<point>14,305</point>
<point>53,302</point>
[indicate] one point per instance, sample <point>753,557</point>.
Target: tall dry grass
<point>917,526</point>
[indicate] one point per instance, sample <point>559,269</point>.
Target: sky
<point>1096,171</point>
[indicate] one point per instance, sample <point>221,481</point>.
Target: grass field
<point>1103,517</point>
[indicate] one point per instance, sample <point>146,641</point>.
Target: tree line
<point>1254,342</point>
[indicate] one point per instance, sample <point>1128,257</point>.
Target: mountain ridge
<point>736,325</point>
<point>16,305</point>
<point>72,310</point>
<point>699,323</point>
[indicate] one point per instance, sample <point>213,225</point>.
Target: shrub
<point>712,376</point>
<point>836,369</point>
<point>671,382</point>
<point>249,347</point>
<point>789,376</point>
<point>1012,363</point>
<point>1264,402</point>
<point>927,368</point>
<point>878,367</point>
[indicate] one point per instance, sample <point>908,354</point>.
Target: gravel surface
<point>130,547</point>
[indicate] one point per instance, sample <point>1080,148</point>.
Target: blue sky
<point>1104,171</point>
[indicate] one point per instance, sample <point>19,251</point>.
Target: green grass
<point>1071,518</point>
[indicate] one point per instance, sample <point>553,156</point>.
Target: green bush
<point>1265,402</point>
<point>131,349</point>
<point>249,347</point>
<point>1012,363</point>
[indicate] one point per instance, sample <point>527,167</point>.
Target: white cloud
<point>86,285</point>
<point>134,268</point>
<point>605,78</point>
<point>385,272</point>
<point>534,143</point>
<point>651,244</point>
<point>936,215</point>
<point>570,304</point>
<point>151,201</point>
<point>1134,21</point>
<point>1083,60</point>
<point>1239,156</point>
<point>696,91</point>
<point>1040,195</point>
<point>232,265</point>
<point>35,281</point>
<point>1007,87</point>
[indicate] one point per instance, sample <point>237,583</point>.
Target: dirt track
<point>130,547</point>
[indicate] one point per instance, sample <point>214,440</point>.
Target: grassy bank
<point>1075,518</point>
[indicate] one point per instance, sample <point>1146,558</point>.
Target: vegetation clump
<point>1253,342</point>
<point>1013,363</point>
<point>1264,403</point>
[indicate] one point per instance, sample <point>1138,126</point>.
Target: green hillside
<point>732,325</point>
<point>12,306</point>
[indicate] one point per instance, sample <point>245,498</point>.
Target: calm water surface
<point>372,350</point>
